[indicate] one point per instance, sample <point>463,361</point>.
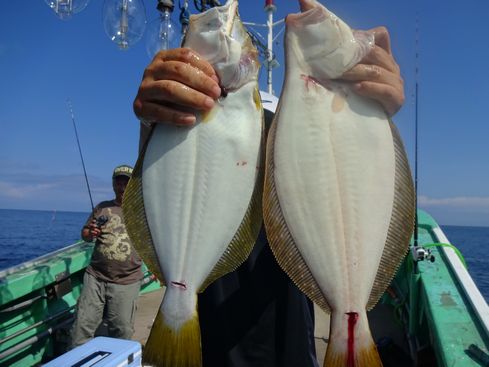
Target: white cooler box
<point>101,352</point>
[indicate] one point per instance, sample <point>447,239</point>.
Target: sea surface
<point>27,234</point>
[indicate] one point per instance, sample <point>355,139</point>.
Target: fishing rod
<point>102,219</point>
<point>419,252</point>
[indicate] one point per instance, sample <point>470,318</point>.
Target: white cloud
<point>14,191</point>
<point>63,192</point>
<point>475,202</point>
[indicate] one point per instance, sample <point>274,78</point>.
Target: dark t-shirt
<point>256,317</point>
<point>114,259</point>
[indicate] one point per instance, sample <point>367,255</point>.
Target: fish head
<point>322,42</point>
<point>219,36</point>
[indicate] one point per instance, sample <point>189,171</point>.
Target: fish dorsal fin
<point>243,241</point>
<point>401,223</point>
<point>135,217</point>
<point>281,242</point>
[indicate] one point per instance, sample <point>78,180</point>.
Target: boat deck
<point>149,303</point>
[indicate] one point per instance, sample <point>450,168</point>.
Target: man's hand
<point>176,83</point>
<point>377,75</point>
<point>91,232</point>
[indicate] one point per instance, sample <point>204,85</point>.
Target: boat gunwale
<point>471,292</point>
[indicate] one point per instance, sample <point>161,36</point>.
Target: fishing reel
<point>100,221</point>
<point>420,254</point>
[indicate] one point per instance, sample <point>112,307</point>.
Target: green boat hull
<point>37,301</point>
<point>432,313</point>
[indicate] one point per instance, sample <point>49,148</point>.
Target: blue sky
<point>43,61</point>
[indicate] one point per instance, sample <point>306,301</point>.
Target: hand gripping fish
<point>193,206</point>
<point>338,197</point>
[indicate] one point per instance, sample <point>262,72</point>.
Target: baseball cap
<point>122,170</point>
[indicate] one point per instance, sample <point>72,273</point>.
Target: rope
<point>457,251</point>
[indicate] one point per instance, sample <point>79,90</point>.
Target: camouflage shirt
<point>114,259</point>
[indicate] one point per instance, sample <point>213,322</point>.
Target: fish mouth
<point>220,37</point>
<point>232,11</point>
<point>216,17</point>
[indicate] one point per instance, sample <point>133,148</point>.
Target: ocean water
<point>27,234</point>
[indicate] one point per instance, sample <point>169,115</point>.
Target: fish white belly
<point>334,176</point>
<point>197,186</point>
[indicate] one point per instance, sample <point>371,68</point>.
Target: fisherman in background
<point>254,316</point>
<point>112,280</point>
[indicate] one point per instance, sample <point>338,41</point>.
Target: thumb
<point>307,5</point>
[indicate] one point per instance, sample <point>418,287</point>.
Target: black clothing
<point>256,317</point>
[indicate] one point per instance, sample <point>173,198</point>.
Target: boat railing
<point>472,293</point>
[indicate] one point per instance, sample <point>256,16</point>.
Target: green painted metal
<point>39,296</point>
<point>443,306</point>
<point>33,284</point>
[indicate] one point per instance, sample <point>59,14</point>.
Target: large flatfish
<point>338,197</point>
<point>193,206</point>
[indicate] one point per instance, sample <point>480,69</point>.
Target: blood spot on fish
<point>310,80</point>
<point>352,320</point>
<point>313,81</point>
<point>241,163</point>
<point>181,285</point>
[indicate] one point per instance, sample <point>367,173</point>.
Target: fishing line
<point>68,102</point>
<point>449,245</point>
<point>102,219</point>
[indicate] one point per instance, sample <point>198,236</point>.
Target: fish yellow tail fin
<point>167,347</point>
<point>350,342</point>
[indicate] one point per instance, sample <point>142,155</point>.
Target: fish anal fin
<point>135,218</point>
<point>169,348</point>
<point>401,223</point>
<point>280,238</point>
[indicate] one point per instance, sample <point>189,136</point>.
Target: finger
<point>188,75</point>
<point>389,97</point>
<point>374,73</point>
<point>382,38</point>
<point>306,5</point>
<point>166,114</point>
<point>171,92</point>
<point>380,57</point>
<point>187,56</point>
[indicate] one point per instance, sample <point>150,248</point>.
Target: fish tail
<point>170,346</point>
<point>350,342</point>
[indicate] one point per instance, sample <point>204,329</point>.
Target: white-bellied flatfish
<point>193,205</point>
<point>338,197</point>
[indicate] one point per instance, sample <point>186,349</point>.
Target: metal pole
<point>19,332</point>
<point>269,8</point>
<point>16,348</point>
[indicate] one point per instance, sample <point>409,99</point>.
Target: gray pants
<point>119,302</point>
